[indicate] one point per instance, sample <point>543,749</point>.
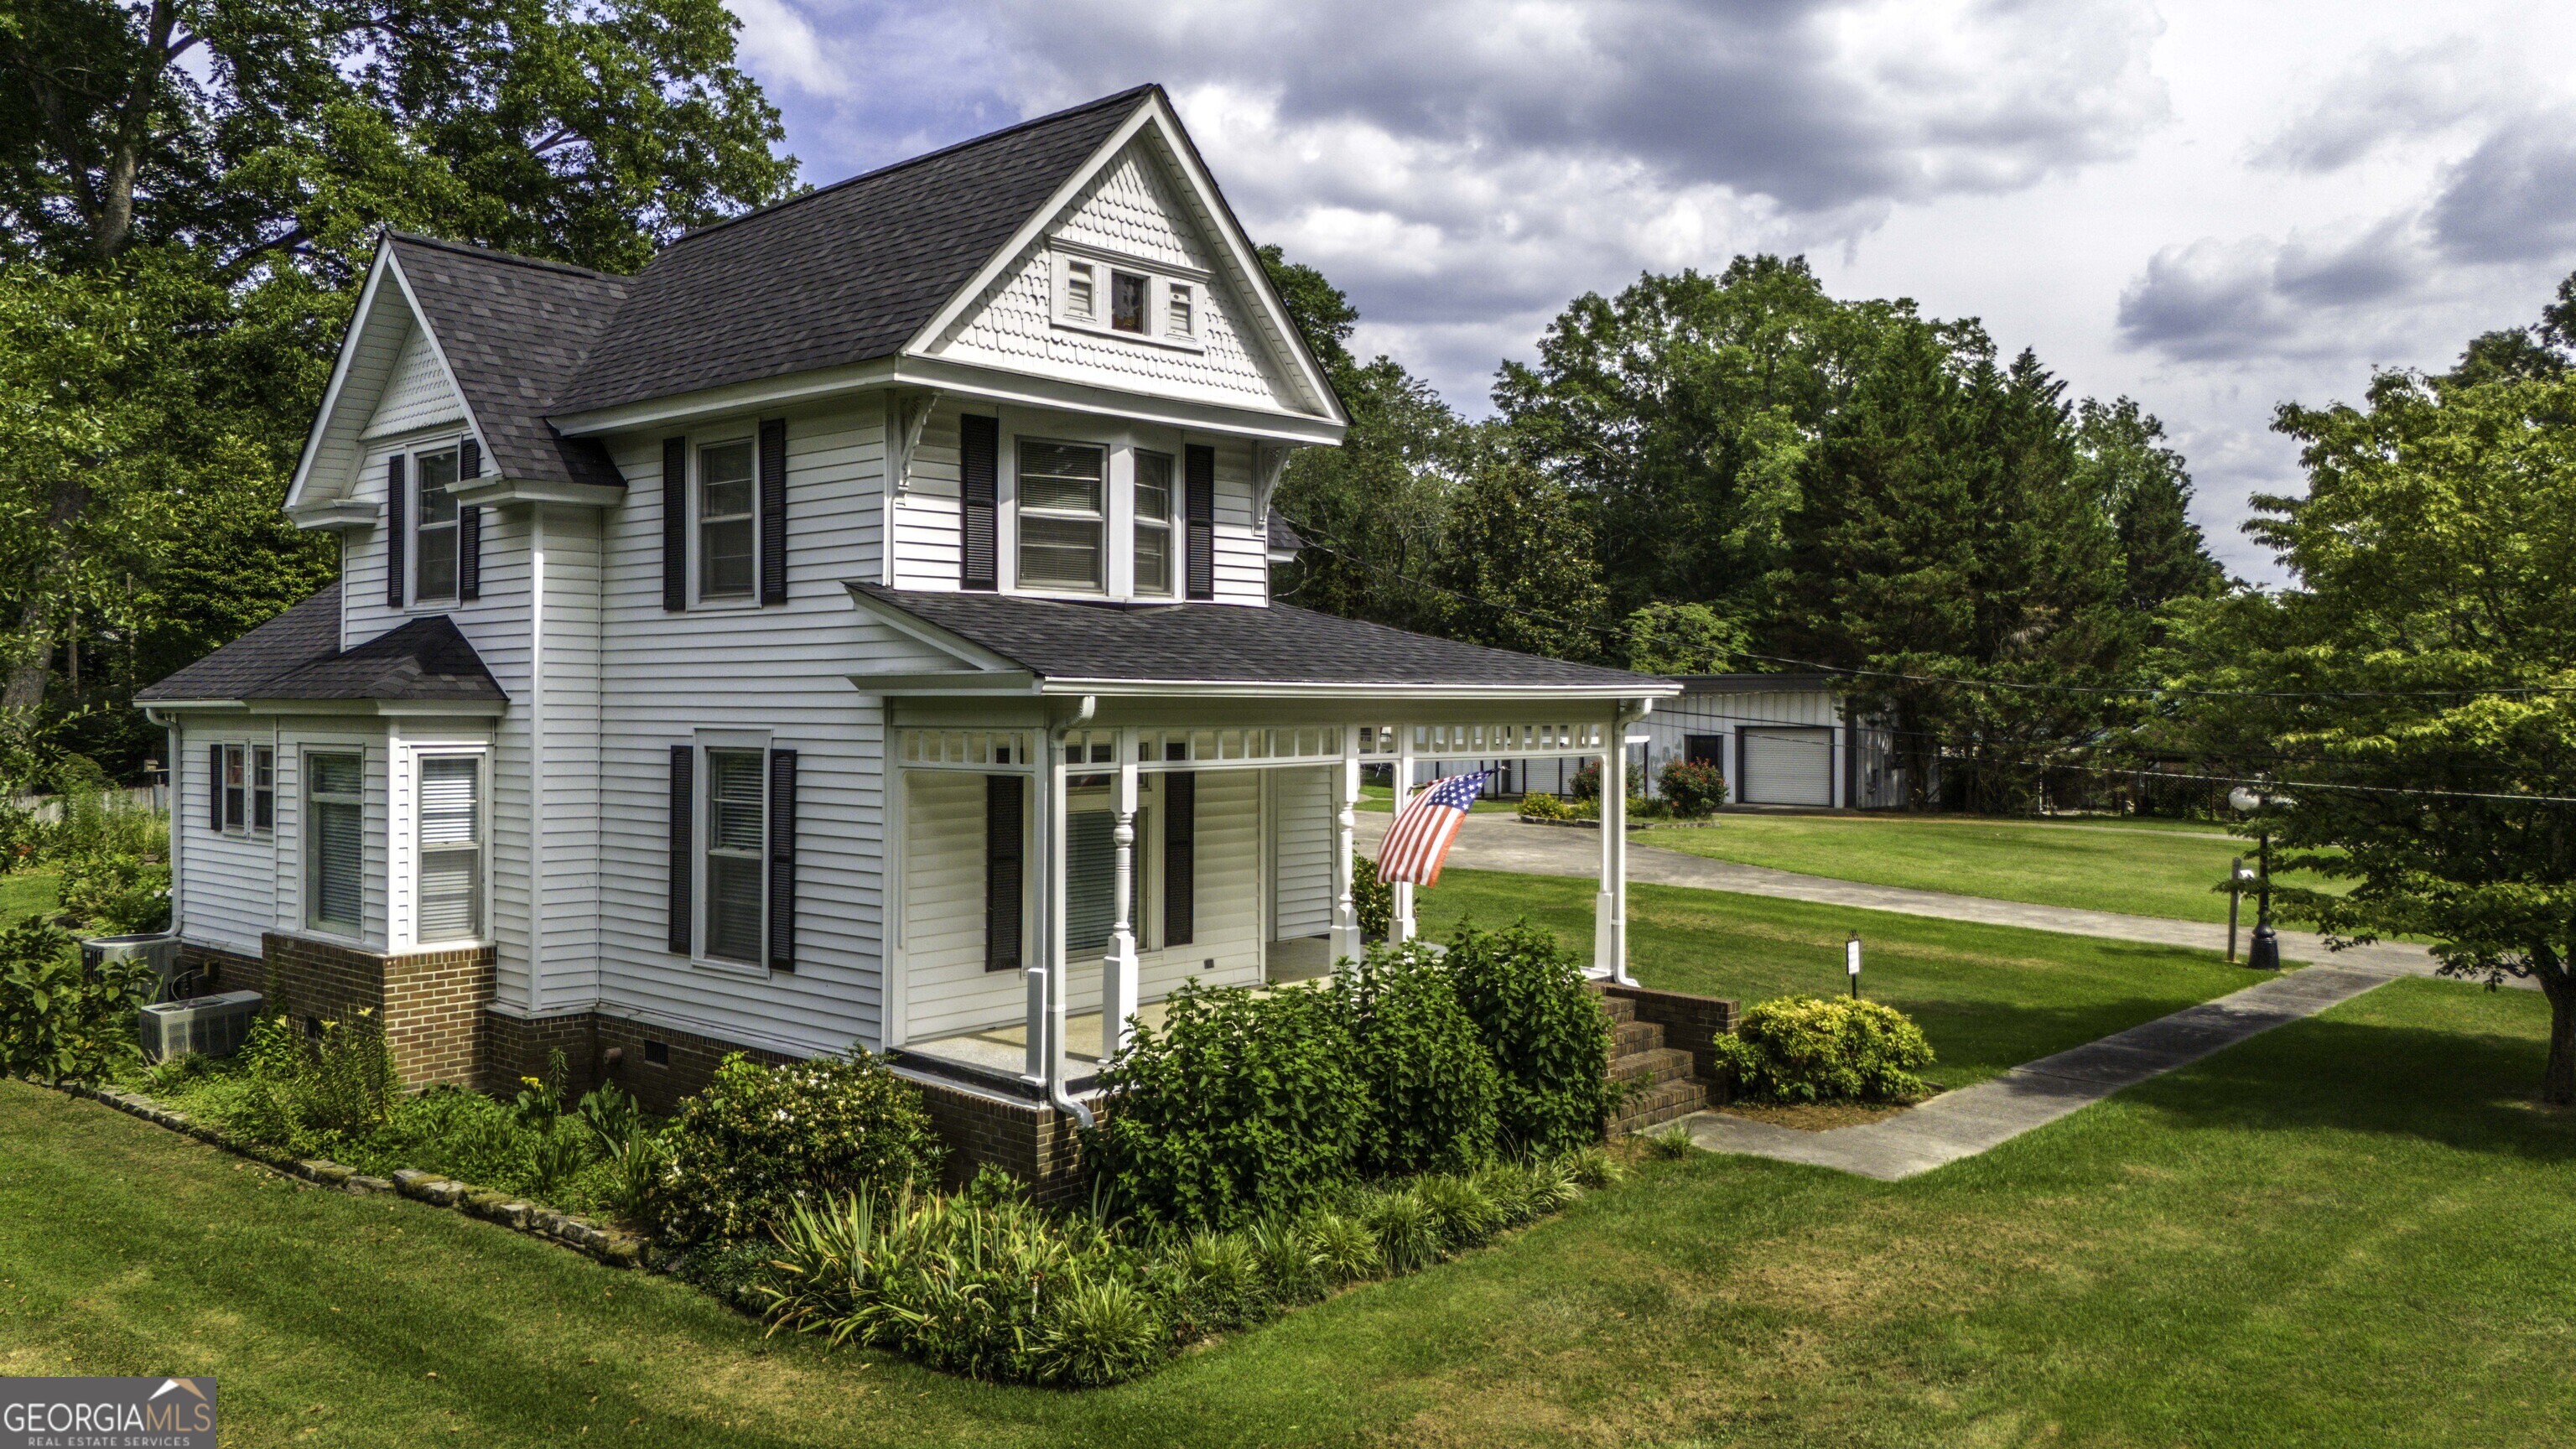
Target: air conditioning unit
<point>161,948</point>
<point>210,1026</point>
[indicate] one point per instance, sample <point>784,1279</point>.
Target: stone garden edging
<point>612,1246</point>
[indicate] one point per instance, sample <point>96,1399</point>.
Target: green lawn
<point>1381,798</point>
<point>25,892</point>
<point>2349,1231</point>
<point>2139,868</point>
<point>1988,997</point>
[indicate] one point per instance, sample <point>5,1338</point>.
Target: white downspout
<point>1051,957</point>
<point>177,875</point>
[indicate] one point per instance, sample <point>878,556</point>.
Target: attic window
<point>1177,310</point>
<point>434,531</point>
<point>1126,302</point>
<point>1078,298</point>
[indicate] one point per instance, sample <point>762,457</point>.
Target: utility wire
<point>1311,535</point>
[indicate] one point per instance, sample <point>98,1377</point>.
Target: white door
<point>1789,767</point>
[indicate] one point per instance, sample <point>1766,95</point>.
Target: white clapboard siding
<point>783,670</point>
<point>236,886</point>
<point>417,394</point>
<point>946,988</point>
<point>1302,852</point>
<point>565,832</point>
<point>1130,209</point>
<point>1228,865</point>
<point>926,512</point>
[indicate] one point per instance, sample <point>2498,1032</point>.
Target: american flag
<point>1425,827</point>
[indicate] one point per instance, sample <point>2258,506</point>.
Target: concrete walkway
<point>1501,842</point>
<point>1968,1121</point>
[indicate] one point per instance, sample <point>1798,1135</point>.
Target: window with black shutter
<point>469,526</point>
<point>397,528</point>
<point>214,787</point>
<point>979,467</point>
<point>782,860</point>
<point>684,797</point>
<point>1005,799</point>
<point>1199,491</point>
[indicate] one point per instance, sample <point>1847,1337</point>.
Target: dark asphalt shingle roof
<point>836,276</point>
<point>297,656</point>
<point>515,331</point>
<point>1214,643</point>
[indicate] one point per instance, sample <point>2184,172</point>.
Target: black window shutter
<point>469,527</point>
<point>773,512</point>
<point>684,841</point>
<point>397,530</point>
<point>782,859</point>
<point>1180,857</point>
<point>1003,797</point>
<point>1199,489</point>
<point>675,524</point>
<point>979,467</point>
<point>215,788</point>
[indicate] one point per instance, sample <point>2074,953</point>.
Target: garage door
<point>1789,767</point>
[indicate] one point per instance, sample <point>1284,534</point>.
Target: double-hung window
<point>236,786</point>
<point>263,787</point>
<point>335,846</point>
<point>434,528</point>
<point>737,832</point>
<point>449,899</point>
<point>725,528</point>
<point>1061,520</point>
<point>1153,522</point>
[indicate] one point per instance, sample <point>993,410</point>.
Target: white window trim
<point>1122,441</point>
<point>252,792</point>
<point>414,600</point>
<point>699,598</point>
<point>702,820</point>
<point>308,904</point>
<point>1113,455</point>
<point>482,757</point>
<point>1160,278</point>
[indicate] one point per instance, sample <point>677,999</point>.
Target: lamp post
<point>2266,952</point>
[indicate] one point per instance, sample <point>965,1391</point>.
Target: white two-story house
<point>855,627</point>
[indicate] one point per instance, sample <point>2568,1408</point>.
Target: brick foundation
<point>1693,1023</point>
<point>1028,1139</point>
<point>433,1003</point>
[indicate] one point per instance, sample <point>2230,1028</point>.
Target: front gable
<point>417,392</point>
<point>390,378</point>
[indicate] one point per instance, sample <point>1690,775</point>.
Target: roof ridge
<point>495,255</point>
<point>890,168</point>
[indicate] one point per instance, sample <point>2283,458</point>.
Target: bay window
<point>1061,514</point>
<point>335,847</point>
<point>449,899</point>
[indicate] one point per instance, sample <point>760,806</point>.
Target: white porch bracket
<point>1118,969</point>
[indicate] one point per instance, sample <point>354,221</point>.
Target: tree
<point>2122,460</point>
<point>225,165</point>
<point>1684,639</point>
<point>1517,565</point>
<point>2418,683</point>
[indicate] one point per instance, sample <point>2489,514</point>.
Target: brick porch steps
<point>1658,1060</point>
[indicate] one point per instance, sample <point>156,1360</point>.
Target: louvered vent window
<point>1060,490</point>
<point>434,530</point>
<point>451,848</point>
<point>724,521</point>
<point>335,849</point>
<point>1091,880</point>
<point>737,832</point>
<point>1179,319</point>
<point>1153,522</point>
<point>1080,295</point>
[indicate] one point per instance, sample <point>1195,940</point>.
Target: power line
<point>1311,535</point>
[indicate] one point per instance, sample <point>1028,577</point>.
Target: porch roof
<point>296,656</point>
<point>1067,642</point>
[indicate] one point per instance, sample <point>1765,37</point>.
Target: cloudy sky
<point>2208,206</point>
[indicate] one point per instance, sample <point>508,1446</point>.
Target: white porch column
<point>1400,929</point>
<point>1346,940</point>
<point>1044,951</point>
<point>1118,969</point>
<point>1610,907</point>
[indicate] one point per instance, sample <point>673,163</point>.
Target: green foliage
<point>761,1140</point>
<point>1684,639</point>
<point>1239,1106</point>
<point>1343,1249</point>
<point>1372,900</point>
<point>1431,1085</point>
<point>1694,788</point>
<point>1546,1031</point>
<point>1540,805</point>
<point>1825,1049</point>
<point>60,1022</point>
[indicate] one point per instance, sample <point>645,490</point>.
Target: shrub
<point>1099,1333</point>
<point>1406,1229</point>
<point>1238,1107</point>
<point>1431,1083</point>
<point>1345,1251</point>
<point>347,1084</point>
<point>1539,805</point>
<point>1825,1049</point>
<point>761,1140</point>
<point>1460,1211</point>
<point>1695,787</point>
<point>62,1022</point>
<point>1372,900</point>
<point>1546,1031</point>
<point>1586,784</point>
